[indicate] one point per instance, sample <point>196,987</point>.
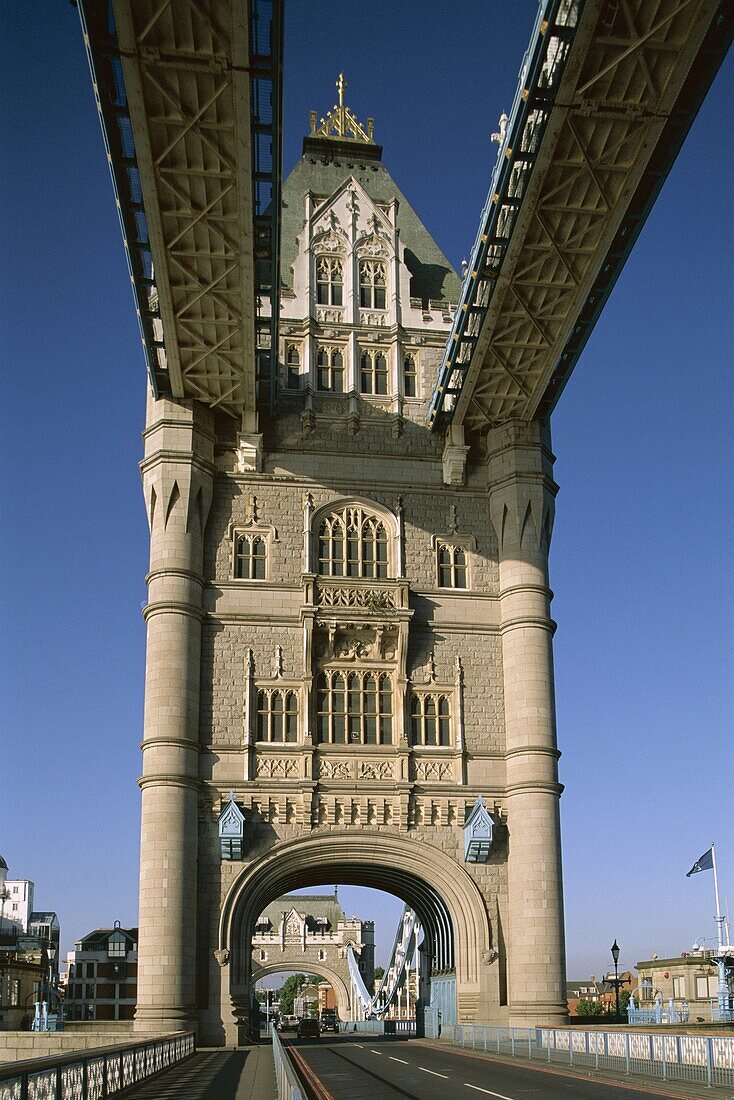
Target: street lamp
<point>615,956</point>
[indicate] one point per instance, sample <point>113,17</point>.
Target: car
<point>287,1023</point>
<point>329,1022</point>
<point>308,1029</point>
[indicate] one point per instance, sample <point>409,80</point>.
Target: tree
<point>379,971</point>
<point>624,1000</point>
<point>289,992</point>
<point>590,1008</point>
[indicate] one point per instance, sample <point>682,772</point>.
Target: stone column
<point>521,495</point>
<point>177,482</point>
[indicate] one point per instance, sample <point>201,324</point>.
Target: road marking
<point>401,1060</point>
<point>433,1073</point>
<point>377,1052</point>
<point>487,1091</point>
<point>360,1045</point>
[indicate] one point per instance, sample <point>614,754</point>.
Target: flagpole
<point>719,927</point>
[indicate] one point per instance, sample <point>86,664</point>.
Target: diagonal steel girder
<point>606,97</point>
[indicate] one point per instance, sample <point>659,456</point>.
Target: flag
<point>703,863</point>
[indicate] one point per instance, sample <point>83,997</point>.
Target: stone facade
<point>311,934</point>
<point>349,628</point>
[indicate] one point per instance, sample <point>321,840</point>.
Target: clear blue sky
<point>641,557</point>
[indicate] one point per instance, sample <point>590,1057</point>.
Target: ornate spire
<point>340,123</point>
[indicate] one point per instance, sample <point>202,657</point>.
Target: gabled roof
<point>324,166</point>
<point>310,906</point>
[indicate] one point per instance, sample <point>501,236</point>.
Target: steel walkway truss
<point>607,93</point>
<point>189,96</point>
<point>375,1006</point>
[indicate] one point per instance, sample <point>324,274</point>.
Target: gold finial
<point>342,124</point>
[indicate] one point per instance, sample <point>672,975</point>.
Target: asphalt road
<point>367,1068</point>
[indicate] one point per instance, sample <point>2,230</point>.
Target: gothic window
<point>250,557</point>
<point>430,719</point>
<point>277,715</point>
<point>372,284</point>
<point>354,708</point>
<point>292,367</point>
<point>330,370</point>
<point>452,571</point>
<point>353,543</point>
<point>410,376</point>
<point>373,373</point>
<point>329,281</point>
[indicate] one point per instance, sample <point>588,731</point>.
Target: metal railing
<point>95,1073</point>
<point>703,1059</point>
<point>377,1027</point>
<point>286,1079</point>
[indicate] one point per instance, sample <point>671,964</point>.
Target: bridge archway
<point>446,900</point>
<point>327,973</point>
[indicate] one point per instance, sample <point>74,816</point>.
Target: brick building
<point>102,975</point>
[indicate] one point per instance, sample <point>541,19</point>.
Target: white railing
<point>286,1079</point>
<point>704,1059</point>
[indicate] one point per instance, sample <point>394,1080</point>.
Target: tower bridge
<point>348,481</point>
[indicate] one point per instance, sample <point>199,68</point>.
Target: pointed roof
<point>328,160</point>
<point>340,123</point>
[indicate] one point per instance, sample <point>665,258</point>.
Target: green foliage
<point>289,992</point>
<point>624,1000</point>
<point>590,1008</point>
<point>379,971</point>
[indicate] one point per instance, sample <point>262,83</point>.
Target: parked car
<point>287,1023</point>
<point>308,1029</point>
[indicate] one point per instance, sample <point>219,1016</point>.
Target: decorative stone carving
<point>329,316</point>
<point>371,599</point>
<point>335,769</point>
<point>276,767</point>
<point>377,769</point>
<point>379,319</point>
<point>222,956</point>
<point>434,771</point>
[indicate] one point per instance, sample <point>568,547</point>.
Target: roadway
<point>374,1068</point>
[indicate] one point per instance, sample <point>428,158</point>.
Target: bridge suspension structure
<point>374,1006</point>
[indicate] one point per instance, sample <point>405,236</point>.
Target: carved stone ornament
<point>334,769</point>
<point>276,767</point>
<point>489,956</point>
<point>433,771</point>
<point>222,956</point>
<point>379,769</point>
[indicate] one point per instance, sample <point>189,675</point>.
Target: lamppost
<point>615,956</point>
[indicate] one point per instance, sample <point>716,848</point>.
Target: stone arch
<point>383,513</point>
<point>326,972</point>
<point>446,899</point>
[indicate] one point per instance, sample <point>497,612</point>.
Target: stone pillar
<point>521,495</point>
<point>177,482</point>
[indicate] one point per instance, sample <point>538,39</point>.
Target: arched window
<point>250,557</point>
<point>277,715</point>
<point>430,720</point>
<point>292,367</point>
<point>410,376</point>
<point>452,571</point>
<point>353,543</point>
<point>372,284</point>
<point>373,373</point>
<point>330,370</point>
<point>329,281</point>
<point>354,708</point>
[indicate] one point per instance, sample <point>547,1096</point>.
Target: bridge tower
<point>349,638</point>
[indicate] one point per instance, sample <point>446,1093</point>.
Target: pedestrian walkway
<point>213,1074</point>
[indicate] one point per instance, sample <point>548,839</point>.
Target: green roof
<point>324,166</point>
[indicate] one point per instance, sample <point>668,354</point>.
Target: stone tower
<point>349,673</point>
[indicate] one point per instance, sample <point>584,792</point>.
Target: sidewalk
<point>215,1074</point>
<point>680,1090</point>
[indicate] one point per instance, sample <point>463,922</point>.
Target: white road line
<point>476,1088</point>
<point>360,1045</point>
<point>377,1052</point>
<point>401,1060</point>
<point>433,1073</point>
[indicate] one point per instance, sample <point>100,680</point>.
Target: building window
<point>373,373</point>
<point>263,956</point>
<point>292,367</point>
<point>330,370</point>
<point>430,720</point>
<point>353,544</point>
<point>679,986</point>
<point>116,947</point>
<point>329,281</point>
<point>372,285</point>
<point>277,716</point>
<point>322,955</point>
<point>354,708</point>
<point>706,987</point>
<point>452,572</point>
<point>250,557</point>
<point>410,376</point>
<point>14,991</point>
